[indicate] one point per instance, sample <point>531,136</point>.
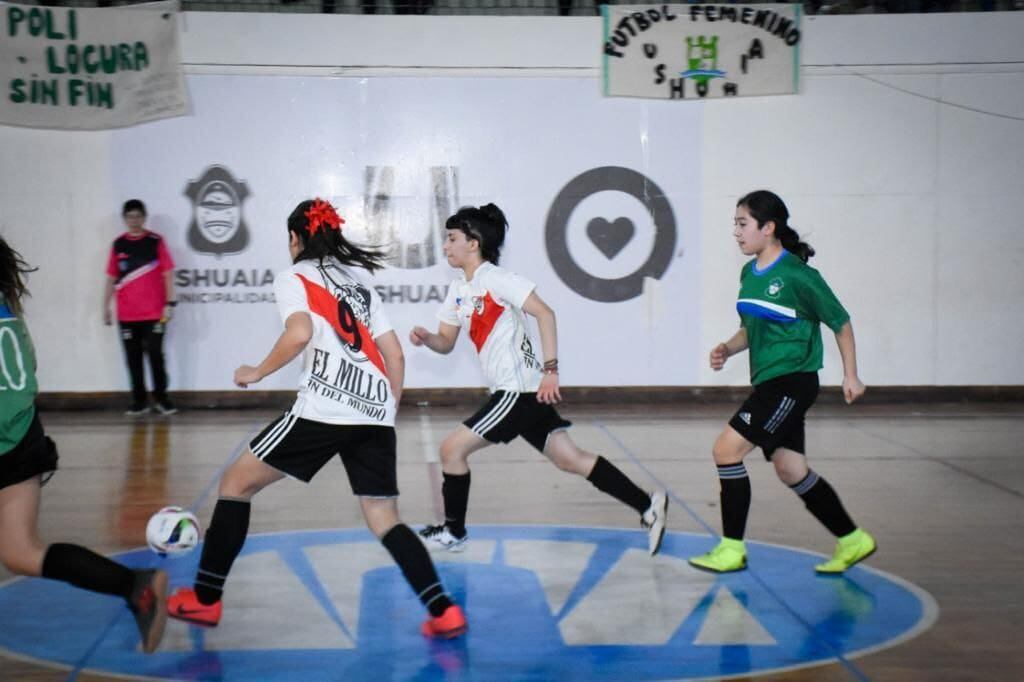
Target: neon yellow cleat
<point>850,549</point>
<point>728,555</point>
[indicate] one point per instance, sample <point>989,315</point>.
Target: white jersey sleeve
<point>449,310</point>
<point>509,286</point>
<point>289,294</point>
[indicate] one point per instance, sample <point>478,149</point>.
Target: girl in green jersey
<point>782,304</point>
<point>28,458</point>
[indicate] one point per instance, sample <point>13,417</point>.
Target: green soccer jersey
<point>782,308</point>
<point>17,379</point>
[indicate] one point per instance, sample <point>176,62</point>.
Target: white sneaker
<point>164,407</point>
<point>439,537</point>
<point>654,521</point>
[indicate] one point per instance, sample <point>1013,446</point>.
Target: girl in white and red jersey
<point>351,383</point>
<point>491,301</point>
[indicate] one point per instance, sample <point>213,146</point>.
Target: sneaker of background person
<point>164,407</point>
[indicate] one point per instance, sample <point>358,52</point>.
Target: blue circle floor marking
<point>542,602</point>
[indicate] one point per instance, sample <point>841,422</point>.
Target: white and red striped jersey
<point>344,380</point>
<point>491,306</point>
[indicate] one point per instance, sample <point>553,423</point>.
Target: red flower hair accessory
<point>322,215</point>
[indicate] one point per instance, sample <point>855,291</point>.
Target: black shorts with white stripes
<point>300,447</point>
<point>508,414</point>
<point>773,416</point>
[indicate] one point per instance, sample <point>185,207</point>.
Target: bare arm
<point>168,295</point>
<point>548,391</point>
<point>723,351</point>
<point>394,362</point>
<point>298,330</point>
<point>545,323</point>
<point>853,387</point>
<point>108,293</point>
<point>168,285</point>
<point>442,342</point>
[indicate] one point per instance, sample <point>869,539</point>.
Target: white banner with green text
<point>701,51</point>
<point>90,69</point>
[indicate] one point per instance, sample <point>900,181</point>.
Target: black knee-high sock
<point>455,491</point>
<point>85,568</point>
<point>412,557</point>
<point>822,501</point>
<point>607,478</point>
<point>223,541</point>
<point>735,499</point>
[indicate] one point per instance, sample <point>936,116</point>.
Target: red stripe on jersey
<point>483,321</point>
<point>323,303</point>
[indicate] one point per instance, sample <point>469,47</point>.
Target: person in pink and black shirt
<point>140,272</point>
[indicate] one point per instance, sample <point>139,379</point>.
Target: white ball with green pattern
<point>172,530</point>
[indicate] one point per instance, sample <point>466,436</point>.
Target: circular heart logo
<point>610,237</point>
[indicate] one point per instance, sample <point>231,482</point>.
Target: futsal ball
<point>172,530</point>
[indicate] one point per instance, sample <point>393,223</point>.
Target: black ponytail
<point>327,240</point>
<point>764,206</point>
<point>486,224</point>
<point>12,282</point>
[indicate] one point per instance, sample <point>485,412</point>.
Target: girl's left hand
<point>548,391</point>
<point>246,375</point>
<point>853,388</point>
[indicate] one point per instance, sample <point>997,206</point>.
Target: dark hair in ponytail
<point>12,283</point>
<point>327,240</point>
<point>486,224</point>
<point>764,206</point>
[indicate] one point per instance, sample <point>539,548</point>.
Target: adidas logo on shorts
<point>745,416</point>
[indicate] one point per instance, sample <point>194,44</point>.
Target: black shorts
<point>34,455</point>
<point>300,447</point>
<point>773,416</point>
<point>507,415</point>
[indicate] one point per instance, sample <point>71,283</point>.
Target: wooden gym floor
<point>941,486</point>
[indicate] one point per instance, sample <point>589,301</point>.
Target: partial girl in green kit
<point>28,458</point>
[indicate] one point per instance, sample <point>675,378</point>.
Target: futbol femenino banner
<point>701,51</point>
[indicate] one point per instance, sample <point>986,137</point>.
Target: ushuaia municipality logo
<point>218,226</point>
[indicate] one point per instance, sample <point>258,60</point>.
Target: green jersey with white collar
<point>17,379</point>
<point>782,308</point>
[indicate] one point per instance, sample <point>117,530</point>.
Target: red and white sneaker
<point>184,605</point>
<point>448,625</point>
